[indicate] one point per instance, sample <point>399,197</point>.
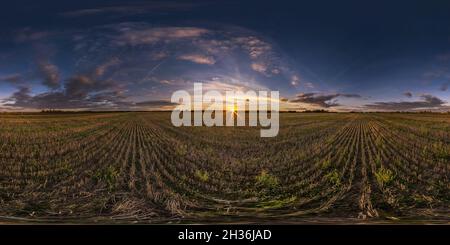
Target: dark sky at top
<point>340,55</point>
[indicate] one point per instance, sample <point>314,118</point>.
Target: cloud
<point>322,100</point>
<point>79,91</point>
<point>436,73</point>
<point>155,103</point>
<point>224,86</point>
<point>134,8</point>
<point>315,99</point>
<point>61,100</point>
<point>350,95</point>
<point>443,57</point>
<point>444,86</point>
<point>197,58</point>
<point>408,94</point>
<point>80,86</point>
<point>85,12</point>
<point>108,100</point>
<point>215,43</point>
<point>174,82</point>
<point>101,69</point>
<point>265,59</point>
<point>309,85</point>
<point>29,35</point>
<point>428,102</point>
<point>21,95</point>
<point>231,45</point>
<point>112,65</point>
<point>132,36</point>
<point>295,80</point>
<point>49,73</point>
<point>55,100</point>
<point>15,78</point>
<point>159,55</point>
<point>259,67</point>
<point>255,47</point>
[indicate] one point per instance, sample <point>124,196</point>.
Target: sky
<point>132,55</point>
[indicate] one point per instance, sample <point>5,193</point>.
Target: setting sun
<point>232,109</point>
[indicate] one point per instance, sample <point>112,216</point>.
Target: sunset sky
<point>131,55</point>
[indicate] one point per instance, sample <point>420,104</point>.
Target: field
<point>137,167</point>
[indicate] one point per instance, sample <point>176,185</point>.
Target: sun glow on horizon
<point>232,109</point>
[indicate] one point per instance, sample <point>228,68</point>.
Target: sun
<point>232,109</point>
